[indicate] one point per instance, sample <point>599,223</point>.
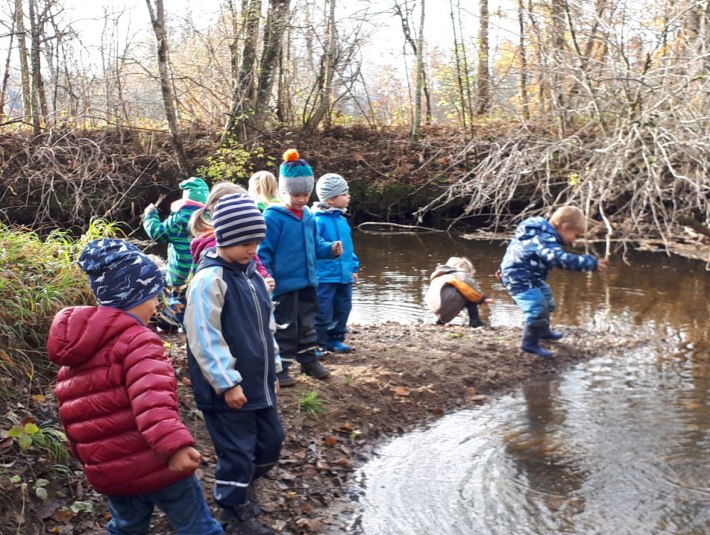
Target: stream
<point>618,444</point>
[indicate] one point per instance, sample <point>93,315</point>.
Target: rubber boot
<point>241,520</point>
<point>474,320</point>
<point>531,342</point>
<point>549,334</point>
<point>315,369</point>
<point>336,346</point>
<point>285,380</point>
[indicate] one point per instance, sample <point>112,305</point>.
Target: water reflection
<point>659,295</point>
<point>548,462</point>
<point>617,445</point>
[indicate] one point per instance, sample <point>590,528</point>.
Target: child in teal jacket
<point>175,232</point>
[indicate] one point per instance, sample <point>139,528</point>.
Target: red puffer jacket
<point>117,399</point>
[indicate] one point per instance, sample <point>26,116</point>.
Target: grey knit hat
<point>331,185</point>
<point>237,221</point>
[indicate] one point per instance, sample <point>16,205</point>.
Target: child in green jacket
<point>174,231</point>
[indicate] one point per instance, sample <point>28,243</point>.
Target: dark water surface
<point>620,444</point>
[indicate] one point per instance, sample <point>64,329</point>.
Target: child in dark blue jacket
<point>335,276</point>
<point>531,254</point>
<point>231,360</point>
<point>289,253</point>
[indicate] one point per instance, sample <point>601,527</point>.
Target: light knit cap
<point>331,185</point>
<point>237,221</point>
<point>295,174</point>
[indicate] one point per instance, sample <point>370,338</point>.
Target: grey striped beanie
<point>237,221</point>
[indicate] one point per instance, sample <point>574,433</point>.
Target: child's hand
<point>337,248</point>
<point>603,264</point>
<point>235,398</point>
<point>488,301</point>
<point>186,459</point>
<point>270,282</point>
<point>355,278</point>
<point>149,209</point>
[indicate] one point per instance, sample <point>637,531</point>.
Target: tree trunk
<point>244,82</point>
<point>523,86</point>
<point>327,73</point>
<point>484,90</point>
<point>24,63</point>
<point>276,22</point>
<point>417,123</point>
<point>6,73</point>
<point>461,75</point>
<point>558,64</point>
<point>39,100</point>
<point>157,18</point>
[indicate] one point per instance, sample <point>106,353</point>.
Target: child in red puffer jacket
<point>117,397</point>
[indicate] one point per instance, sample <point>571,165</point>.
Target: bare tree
<point>6,73</point>
<point>276,22</point>
<point>326,72</point>
<point>483,94</point>
<point>245,75</point>
<point>523,75</point>
<point>157,18</point>
<point>416,126</point>
<point>24,61</point>
<point>404,13</point>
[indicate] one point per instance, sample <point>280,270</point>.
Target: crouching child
<point>451,289</point>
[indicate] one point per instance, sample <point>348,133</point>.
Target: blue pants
<point>537,304</point>
<point>335,301</point>
<point>182,502</point>
<point>248,444</point>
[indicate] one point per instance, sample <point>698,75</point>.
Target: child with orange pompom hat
<point>289,252</point>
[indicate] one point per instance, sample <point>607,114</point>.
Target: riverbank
<point>398,377</point>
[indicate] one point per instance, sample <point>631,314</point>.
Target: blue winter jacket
<point>333,226</point>
<point>533,252</point>
<point>229,342</point>
<point>291,248</point>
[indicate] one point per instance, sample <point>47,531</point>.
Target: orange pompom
<point>291,155</point>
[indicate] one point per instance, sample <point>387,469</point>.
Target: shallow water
<point>616,445</point>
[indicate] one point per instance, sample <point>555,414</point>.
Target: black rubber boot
<point>474,320</point>
<point>241,520</point>
<point>315,369</point>
<point>531,342</point>
<point>285,380</point>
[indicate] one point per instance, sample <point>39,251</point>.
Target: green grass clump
<point>312,403</point>
<point>38,277</point>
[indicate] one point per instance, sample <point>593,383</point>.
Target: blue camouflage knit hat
<point>120,274</point>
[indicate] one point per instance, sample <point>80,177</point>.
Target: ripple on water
<point>584,454</point>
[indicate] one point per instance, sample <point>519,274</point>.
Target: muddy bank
<point>397,378</point>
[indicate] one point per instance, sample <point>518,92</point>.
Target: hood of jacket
<point>443,270</point>
<point>321,207</point>
<point>535,226</point>
<point>201,243</point>
<point>72,342</point>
